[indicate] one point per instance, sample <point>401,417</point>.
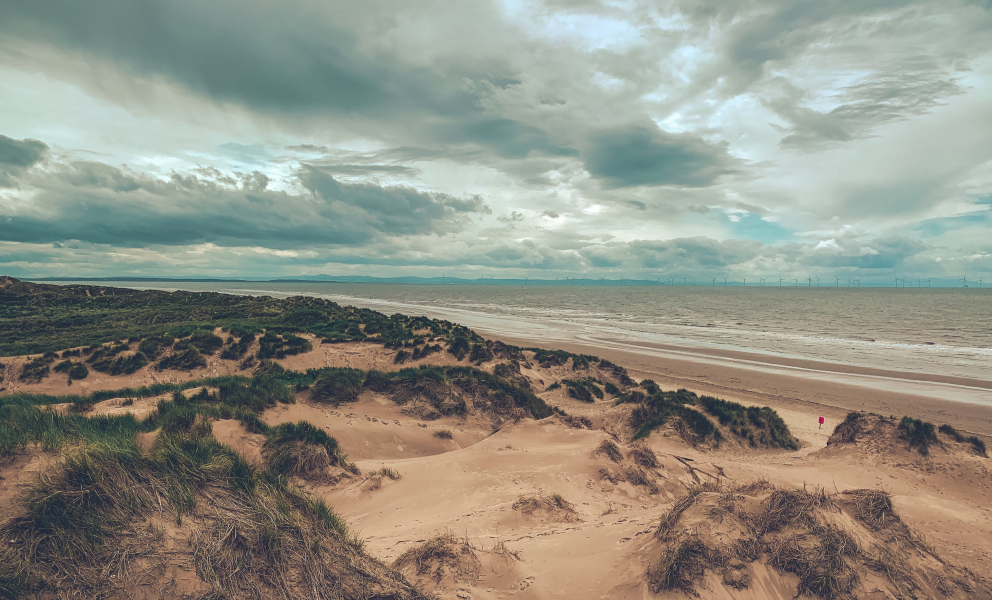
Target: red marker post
<point>821,422</point>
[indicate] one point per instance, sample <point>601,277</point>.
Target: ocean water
<point>942,331</point>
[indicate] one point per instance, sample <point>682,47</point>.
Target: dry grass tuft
<point>443,434</point>
<point>610,450</point>
<point>786,507</point>
<point>441,555</point>
<point>670,520</point>
<point>682,564</point>
<point>874,507</point>
<point>819,559</point>
<point>847,431</point>
<point>643,456</point>
<point>553,506</point>
<point>376,477</point>
<point>806,532</point>
<point>96,527</point>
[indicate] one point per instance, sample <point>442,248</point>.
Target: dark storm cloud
<point>297,60</point>
<point>18,155</point>
<point>636,156</point>
<point>97,203</point>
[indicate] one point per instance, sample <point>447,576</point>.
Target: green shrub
<point>205,341</point>
<point>761,427</point>
<point>336,385</point>
<point>182,360</point>
<point>37,368</point>
<point>480,353</point>
<point>919,434</point>
<point>272,345</point>
<point>459,347</point>
<point>977,445</point>
<point>302,449</point>
<point>78,371</point>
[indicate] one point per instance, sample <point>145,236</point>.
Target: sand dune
<point>541,509</point>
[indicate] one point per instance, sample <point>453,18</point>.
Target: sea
<point>936,331</point>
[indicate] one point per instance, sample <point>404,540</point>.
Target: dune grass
<point>977,445</point>
<point>920,435</point>
<point>305,450</point>
<point>82,516</point>
<point>761,427</point>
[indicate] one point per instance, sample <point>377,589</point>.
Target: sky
<point>711,138</point>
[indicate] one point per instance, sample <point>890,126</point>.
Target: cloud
<point>16,156</point>
<point>911,88</point>
<point>638,156</point>
<point>97,203</point>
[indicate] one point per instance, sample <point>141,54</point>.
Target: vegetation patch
<point>661,407</point>
<point>75,370</point>
<point>920,435</point>
<point>761,427</point>
<point>610,450</point>
<point>681,566</point>
<point>583,390</point>
<point>272,345</point>
<point>977,445</point>
<point>443,434</point>
<point>550,507</point>
<point>246,531</point>
<point>848,430</point>
<point>337,385</point>
<point>37,368</point>
<point>186,359</point>
<point>443,556</point>
<point>304,450</point>
<point>827,540</point>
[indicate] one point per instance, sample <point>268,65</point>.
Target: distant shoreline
<point>596,282</point>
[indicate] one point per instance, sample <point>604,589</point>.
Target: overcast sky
<point>713,138</point>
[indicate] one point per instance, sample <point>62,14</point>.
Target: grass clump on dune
<point>660,407</point>
<point>305,450</point>
<point>583,390</point>
<point>337,385</point>
<point>443,434</point>
<point>183,359</point>
<point>681,566</point>
<point>90,527</point>
<point>977,445</point>
<point>920,435</point>
<point>761,427</point>
<point>37,368</point>
<point>610,450</point>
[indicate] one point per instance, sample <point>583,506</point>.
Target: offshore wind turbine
<point>779,281</point>
<point>797,282</point>
<point>838,281</point>
<point>762,279</point>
